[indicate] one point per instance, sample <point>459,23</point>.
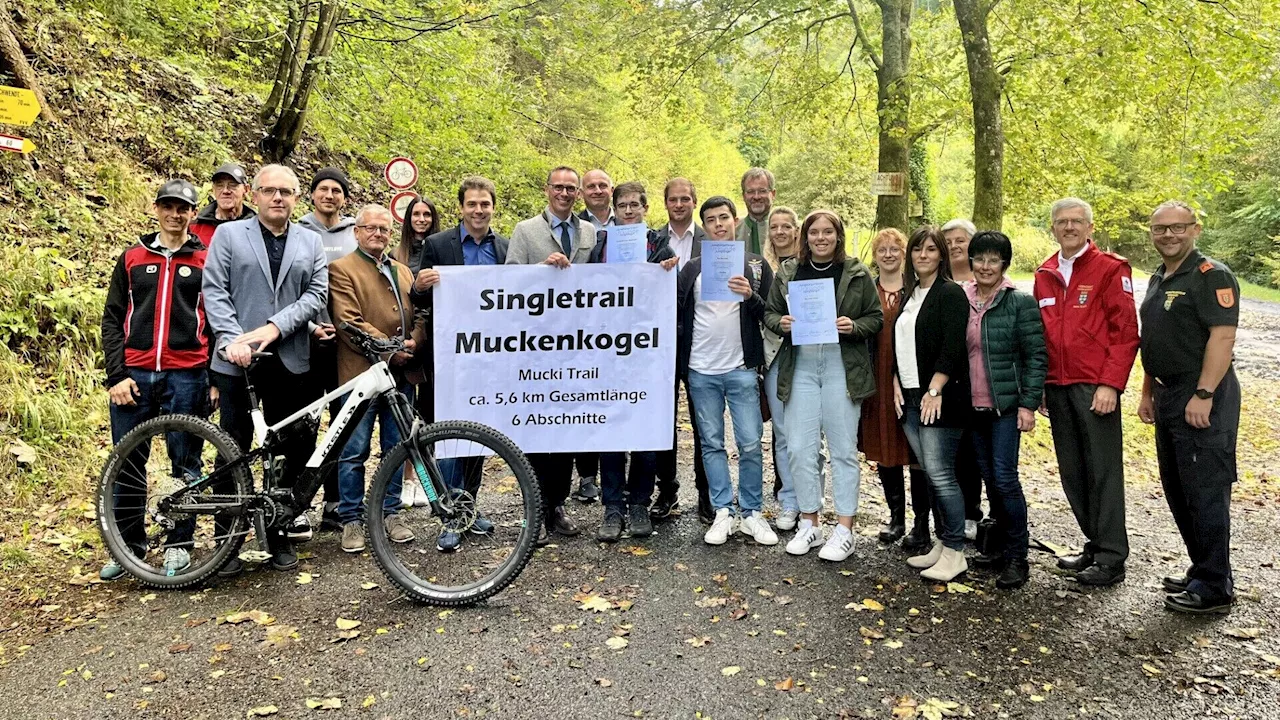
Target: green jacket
<point>856,299</point>
<point>1013,349</point>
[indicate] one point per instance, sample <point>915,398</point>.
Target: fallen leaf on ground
<point>710,602</point>
<point>905,709</point>
<point>616,643</point>
<point>595,603</point>
<point>730,671</point>
<point>785,685</point>
<point>893,644</point>
<point>604,682</point>
<point>935,709</point>
<point>867,632</point>
<point>956,588</point>
<point>279,636</point>
<point>329,703</point>
<point>738,614</point>
<point>345,624</point>
<point>699,641</point>
<point>369,700</point>
<point>721,577</point>
<point>1152,670</point>
<point>257,616</point>
<point>263,711</point>
<point>176,648</point>
<point>635,550</point>
<point>368,585</point>
<point>304,578</point>
<point>1244,633</point>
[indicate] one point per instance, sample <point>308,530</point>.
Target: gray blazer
<point>532,242</point>
<point>239,295</point>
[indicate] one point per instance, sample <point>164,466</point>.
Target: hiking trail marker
<point>13,143</point>
<point>19,106</point>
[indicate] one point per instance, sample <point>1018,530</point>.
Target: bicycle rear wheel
<point>147,470</point>
<point>495,488</point>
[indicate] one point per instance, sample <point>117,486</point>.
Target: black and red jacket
<point>208,221</point>
<point>154,316</point>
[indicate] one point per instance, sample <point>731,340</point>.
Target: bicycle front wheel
<point>468,558</point>
<point>149,523</point>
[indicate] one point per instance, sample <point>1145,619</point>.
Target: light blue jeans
<point>782,458</point>
<point>820,405</point>
<point>741,391</point>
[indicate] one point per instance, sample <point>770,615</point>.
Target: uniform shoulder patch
<point>1206,266</point>
<point>1126,284</point>
<point>1226,297</point>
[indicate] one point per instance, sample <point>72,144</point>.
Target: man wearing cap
<point>156,346</point>
<point>265,281</point>
<point>330,190</point>
<point>230,184</point>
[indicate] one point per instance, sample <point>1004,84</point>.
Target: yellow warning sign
<point>18,106</point>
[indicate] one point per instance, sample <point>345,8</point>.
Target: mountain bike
<point>180,484</point>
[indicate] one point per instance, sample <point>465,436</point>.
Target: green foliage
<point>1243,224</point>
<point>1031,247</point>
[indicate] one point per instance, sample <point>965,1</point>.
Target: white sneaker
<point>807,537</point>
<point>929,559</point>
<point>419,495</point>
<point>406,494</point>
<point>970,530</point>
<point>949,565</point>
<point>721,528</point>
<point>787,519</point>
<point>758,528</point>
<point>839,546</point>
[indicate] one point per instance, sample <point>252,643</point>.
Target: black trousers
<point>969,475</point>
<point>323,378</point>
<point>281,393</point>
<point>1090,451</point>
<point>555,477</point>
<point>588,464</point>
<point>1197,468</point>
<point>668,485</point>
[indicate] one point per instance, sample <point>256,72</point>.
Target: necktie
<point>755,236</point>
<point>565,242</point>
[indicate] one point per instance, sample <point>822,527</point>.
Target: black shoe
<point>611,528</point>
<point>989,562</point>
<point>1174,584</point>
<point>1193,604</point>
<point>1075,563</point>
<point>892,532</point>
<point>918,539</point>
<point>638,522</point>
<point>706,515</point>
<point>544,537</point>
<point>284,560</point>
<point>588,490</point>
<point>1014,575</point>
<point>1101,575</point>
<point>233,568</point>
<point>663,507</point>
<point>329,520</point>
<point>560,524</point>
<point>300,529</point>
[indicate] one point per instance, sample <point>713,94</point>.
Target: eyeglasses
<point>986,260</point>
<point>564,189</point>
<point>1175,228</point>
<point>756,193</point>
<point>1066,222</point>
<point>285,193</point>
<point>629,207</point>
<point>375,229</point>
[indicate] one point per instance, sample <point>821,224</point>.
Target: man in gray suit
<point>555,237</point>
<point>269,275</point>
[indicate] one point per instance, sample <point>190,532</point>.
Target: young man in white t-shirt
<point>719,354</point>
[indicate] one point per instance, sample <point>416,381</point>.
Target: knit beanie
<point>334,174</point>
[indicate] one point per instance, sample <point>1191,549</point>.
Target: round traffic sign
<point>400,203</point>
<point>401,173</point>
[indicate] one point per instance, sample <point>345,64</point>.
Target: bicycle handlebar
<point>372,347</point>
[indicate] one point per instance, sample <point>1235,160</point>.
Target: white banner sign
<point>560,360</point>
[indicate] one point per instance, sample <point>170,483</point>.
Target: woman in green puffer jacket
<point>1007,366</point>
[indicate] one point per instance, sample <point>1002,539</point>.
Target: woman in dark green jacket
<point>822,386</point>
<point>1007,366</point>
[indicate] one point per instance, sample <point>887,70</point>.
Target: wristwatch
<point>934,393</point>
<point>1204,394</point>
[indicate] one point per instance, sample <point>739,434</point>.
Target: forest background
<point>1123,103</point>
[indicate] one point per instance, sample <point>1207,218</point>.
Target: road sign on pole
<point>13,143</point>
<point>18,106</point>
<point>401,202</point>
<point>401,173</point>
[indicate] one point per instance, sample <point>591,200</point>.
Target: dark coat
<point>757,271</point>
<point>1013,351</point>
<point>941,348</point>
<point>698,236</point>
<point>445,248</point>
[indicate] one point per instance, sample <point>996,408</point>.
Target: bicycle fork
<point>424,467</point>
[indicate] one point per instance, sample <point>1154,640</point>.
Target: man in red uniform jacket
<point>1091,331</point>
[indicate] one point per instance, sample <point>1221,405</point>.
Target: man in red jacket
<point>155,341</point>
<point>1091,332</point>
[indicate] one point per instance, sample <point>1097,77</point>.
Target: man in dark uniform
<point>1191,393</point>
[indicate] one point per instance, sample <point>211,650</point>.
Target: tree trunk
<point>985,87</point>
<point>893,106</point>
<point>13,59</point>
<point>287,130</point>
<point>286,67</point>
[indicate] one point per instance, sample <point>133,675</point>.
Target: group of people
<point>941,363</point>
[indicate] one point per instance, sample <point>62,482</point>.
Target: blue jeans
<point>741,391</point>
<point>995,444</point>
<point>781,451</point>
<point>820,405</point>
<point>616,484</point>
<point>936,447</point>
<point>167,392</point>
<point>356,452</point>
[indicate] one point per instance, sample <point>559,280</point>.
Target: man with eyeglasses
<point>757,193</point>
<point>359,285</point>
<point>1191,394</point>
<point>265,281</point>
<point>554,237</point>
<point>1091,332</point>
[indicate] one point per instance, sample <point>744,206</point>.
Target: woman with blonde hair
<point>783,243</point>
<point>822,386</point>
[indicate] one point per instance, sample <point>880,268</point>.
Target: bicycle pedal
<point>254,556</point>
